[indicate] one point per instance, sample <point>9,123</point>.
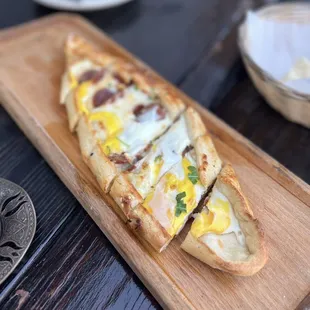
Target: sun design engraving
<point>17,226</point>
<point>9,249</point>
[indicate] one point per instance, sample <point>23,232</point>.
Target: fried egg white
<point>176,189</point>
<point>218,227</point>
<point>166,152</point>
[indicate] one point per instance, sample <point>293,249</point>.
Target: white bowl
<point>81,5</point>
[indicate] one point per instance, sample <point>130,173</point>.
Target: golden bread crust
<point>227,183</point>
<point>101,166</point>
<point>65,88</point>
<point>195,125</point>
<point>125,194</point>
<point>72,110</point>
<point>86,136</point>
<point>77,49</point>
<point>150,85</point>
<point>148,228</point>
<point>208,162</point>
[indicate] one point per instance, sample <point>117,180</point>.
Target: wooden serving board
<point>31,63</point>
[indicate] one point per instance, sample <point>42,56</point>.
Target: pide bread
<point>225,234</point>
<point>149,152</point>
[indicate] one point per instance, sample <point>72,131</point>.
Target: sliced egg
<point>218,227</point>
<point>166,152</point>
<point>176,195</point>
<point>218,218</point>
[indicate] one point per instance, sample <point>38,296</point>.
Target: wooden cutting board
<point>31,63</point>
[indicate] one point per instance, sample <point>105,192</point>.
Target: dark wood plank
<point>61,230</point>
<point>180,31</point>
<point>245,110</point>
<point>21,163</point>
<point>80,270</point>
<point>219,81</point>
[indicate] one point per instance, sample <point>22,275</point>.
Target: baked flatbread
<point>155,158</point>
<point>114,108</point>
<point>226,235</point>
<point>167,185</point>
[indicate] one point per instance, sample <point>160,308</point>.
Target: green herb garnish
<point>158,158</point>
<point>181,206</point>
<point>152,95</point>
<point>108,150</point>
<point>121,141</point>
<point>193,174</point>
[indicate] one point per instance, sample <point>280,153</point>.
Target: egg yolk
<point>73,80</point>
<point>146,202</point>
<point>111,121</point>
<point>185,185</point>
<point>216,220</point>
<point>81,96</point>
<point>112,145</point>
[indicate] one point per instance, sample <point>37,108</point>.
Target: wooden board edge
<point>305,303</point>
<point>25,122</point>
<point>225,133</point>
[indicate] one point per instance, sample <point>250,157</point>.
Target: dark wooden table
<point>70,264</point>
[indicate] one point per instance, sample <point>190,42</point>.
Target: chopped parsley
<point>121,141</point>
<point>108,150</point>
<point>152,95</point>
<point>181,206</point>
<point>193,174</point>
<point>158,158</point>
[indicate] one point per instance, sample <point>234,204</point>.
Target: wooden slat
<point>79,258</point>
<point>176,279</point>
<point>51,200</point>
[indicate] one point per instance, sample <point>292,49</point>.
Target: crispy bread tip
<point>227,183</point>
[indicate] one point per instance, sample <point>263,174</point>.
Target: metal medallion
<point>17,226</point>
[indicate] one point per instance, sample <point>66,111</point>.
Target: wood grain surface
<point>29,90</point>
